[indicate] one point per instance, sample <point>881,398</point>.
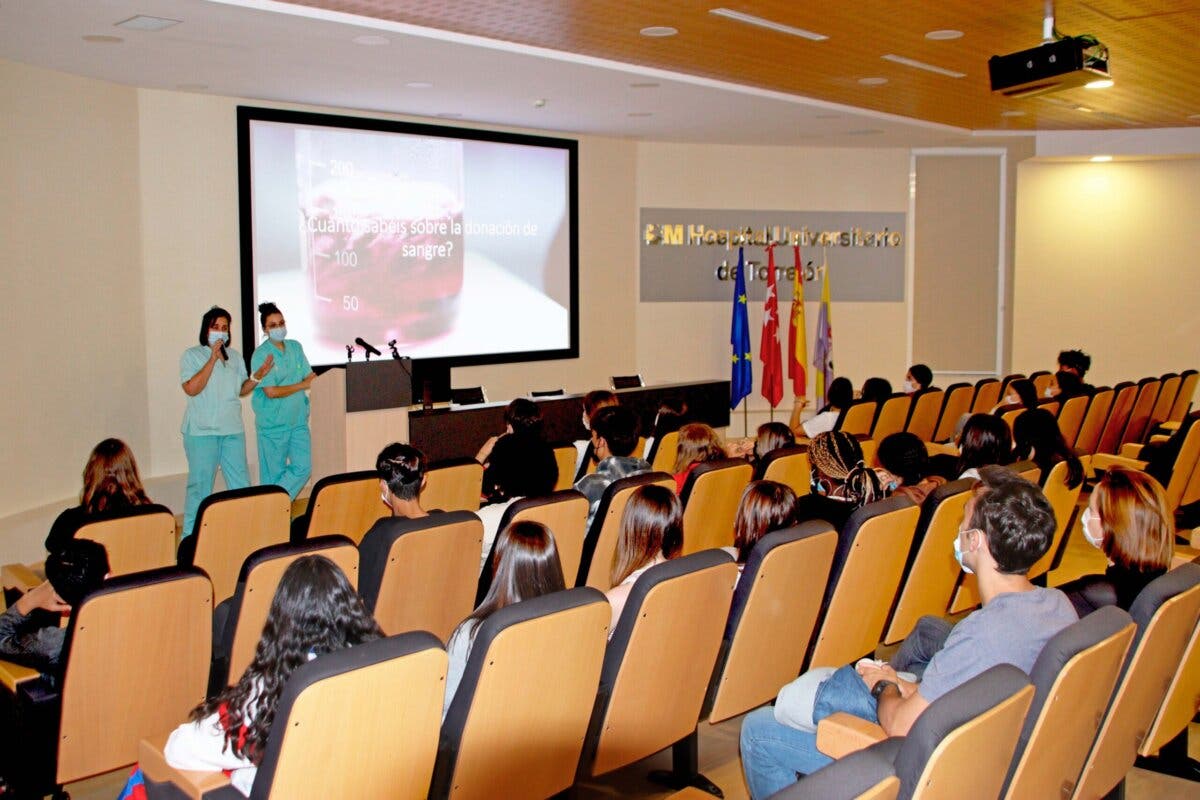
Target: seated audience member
<point>614,435</point>
<point>651,533</point>
<point>766,507</point>
<point>986,440</point>
<point>841,482</point>
<point>32,637</point>
<point>919,377</point>
<point>1068,385</point>
<point>837,399</point>
<point>877,389</point>
<point>1008,526</point>
<point>770,437</point>
<point>520,450</point>
<point>1020,392</point>
<point>1160,456</point>
<point>904,467</point>
<point>401,469</point>
<point>672,415</point>
<point>525,566</point>
<point>1128,519</point>
<point>315,611</point>
<point>111,487</point>
<point>1078,362</point>
<point>698,443</point>
<point>1036,436</point>
<point>592,402</point>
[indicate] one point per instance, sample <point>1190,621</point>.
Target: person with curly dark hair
<point>315,611</point>
<point>841,481</point>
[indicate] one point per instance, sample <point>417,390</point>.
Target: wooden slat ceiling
<point>1154,47</point>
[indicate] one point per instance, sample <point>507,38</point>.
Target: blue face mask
<point>278,334</point>
<point>217,336</point>
<point>958,555</point>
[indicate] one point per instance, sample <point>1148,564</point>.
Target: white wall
<point>1106,261</point>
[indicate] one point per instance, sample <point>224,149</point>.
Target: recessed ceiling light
<point>95,38</point>
<point>658,31</point>
<point>643,86</point>
<point>1101,159</point>
<point>449,115</point>
<point>419,85</point>
<point>910,62</point>
<point>876,81</point>
<point>143,22</point>
<point>750,19</point>
<point>1012,113</point>
<point>640,114</point>
<point>1103,83</point>
<point>191,87</point>
<point>944,35</point>
<point>539,103</point>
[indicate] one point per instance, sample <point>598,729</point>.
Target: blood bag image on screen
<point>381,233</point>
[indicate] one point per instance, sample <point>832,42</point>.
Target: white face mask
<point>586,424</point>
<point>958,553</point>
<point>1085,521</point>
<point>1049,392</point>
<point>909,386</point>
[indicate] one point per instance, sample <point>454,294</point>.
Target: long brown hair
<point>651,525</point>
<point>697,442</point>
<point>110,479</point>
<point>1139,528</point>
<point>766,506</point>
<point>526,565</point>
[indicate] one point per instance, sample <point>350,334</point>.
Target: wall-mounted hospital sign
<point>689,254</point>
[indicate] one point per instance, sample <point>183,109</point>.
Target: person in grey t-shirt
<point>1008,526</point>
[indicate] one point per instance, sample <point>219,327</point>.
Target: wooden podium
<point>355,410</point>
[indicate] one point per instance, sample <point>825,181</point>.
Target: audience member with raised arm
<point>614,435</point>
<point>111,487</point>
<point>280,403</point>
<point>213,376</point>
<point>838,398</point>
<point>1007,526</point>
<point>651,533</point>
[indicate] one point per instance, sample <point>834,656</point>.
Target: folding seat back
<point>987,396</point>
<point>595,565</point>
<point>665,449</point>
<point>1008,380</point>
<point>453,485</point>
<point>789,466</point>
<point>1094,420</point>
<point>932,572</point>
<point>1062,499</point>
<point>1179,706</point>
<point>1010,413</point>
<point>958,402</point>
<point>256,587</point>
<point>140,540</point>
<point>507,732</point>
<point>774,613</point>
<point>660,658</point>
<point>1186,468</point>
<point>923,419</point>
<point>858,418</point>
<point>1027,470</point>
<point>137,656</point>
<point>564,513</point>
<point>1167,392</point>
<point>1183,398</point>
<point>872,551</point>
<point>1070,417</point>
<point>565,455</point>
<point>893,414</point>
<point>1118,416</point>
<point>864,775</point>
<point>1165,613</point>
<point>1073,680</point>
<point>1041,381</point>
<point>420,574</point>
<point>710,502</point>
<point>230,526</point>
<point>361,722</point>
<point>1139,416</point>
<point>345,505</point>
<point>1050,404</point>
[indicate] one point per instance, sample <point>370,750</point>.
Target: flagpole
<point>745,418</point>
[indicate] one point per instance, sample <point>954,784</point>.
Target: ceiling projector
<point>1065,63</point>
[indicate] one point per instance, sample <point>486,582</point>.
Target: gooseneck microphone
<point>367,347</point>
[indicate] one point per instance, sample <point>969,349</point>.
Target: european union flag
<point>741,379</point>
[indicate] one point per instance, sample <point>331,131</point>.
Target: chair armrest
<point>192,783</point>
<point>1102,461</point>
<point>939,449</point>
<point>1183,555</point>
<point>841,734</point>
<point>13,674</point>
<point>19,576</point>
<point>1130,450</point>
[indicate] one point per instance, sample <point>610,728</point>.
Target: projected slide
<point>452,247</point>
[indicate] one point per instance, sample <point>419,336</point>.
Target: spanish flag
<point>797,335</point>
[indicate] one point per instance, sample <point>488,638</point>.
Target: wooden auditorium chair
<point>663,451</point>
<point>957,402</point>
<point>230,526</point>
<point>1062,499</point>
<point>1088,440</point>
<point>453,485</point>
<point>1139,415</point>
<point>1167,392</point>
<point>596,561</point>
<point>1124,395</point>
<point>516,724</point>
<point>858,418</point>
<point>346,504</point>
<point>421,574</point>
<point>710,500</point>
<point>565,455</point>
<point>361,722</point>
<point>1183,400</point>
<point>142,539</point>
<point>1007,381</point>
<point>987,396</point>
<point>563,513</point>
<point>789,466</point>
<point>926,408</point>
<point>1070,417</point>
<point>1165,747</point>
<point>1184,473</point>
<point>1041,381</point>
<point>893,414</point>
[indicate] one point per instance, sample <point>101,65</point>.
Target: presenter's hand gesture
<point>217,351</point>
<point>262,371</point>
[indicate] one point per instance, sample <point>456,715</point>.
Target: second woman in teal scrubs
<point>280,405</point>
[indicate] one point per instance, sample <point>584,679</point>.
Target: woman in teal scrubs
<point>214,378</point>
<point>280,404</point>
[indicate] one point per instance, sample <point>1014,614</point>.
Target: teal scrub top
<point>290,366</point>
<point>217,409</point>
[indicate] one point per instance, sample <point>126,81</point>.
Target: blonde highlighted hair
<point>110,479</point>
<point>697,443</point>
<point>1139,527</point>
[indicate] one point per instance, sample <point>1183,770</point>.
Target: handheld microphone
<point>369,348</point>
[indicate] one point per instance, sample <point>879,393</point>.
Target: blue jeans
<point>772,753</point>
<point>285,458</point>
<point>204,455</point>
